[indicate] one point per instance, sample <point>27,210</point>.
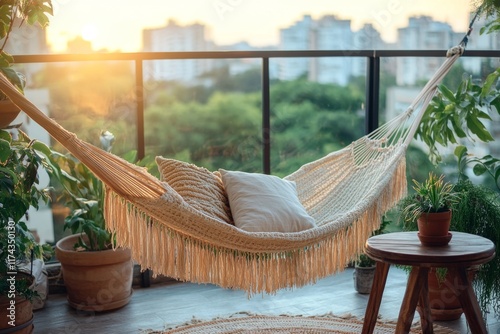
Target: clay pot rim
<point>67,255</point>
<point>9,112</point>
<point>440,213</point>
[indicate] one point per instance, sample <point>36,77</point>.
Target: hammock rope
<point>346,192</point>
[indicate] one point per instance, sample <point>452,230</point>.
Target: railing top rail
<point>133,56</point>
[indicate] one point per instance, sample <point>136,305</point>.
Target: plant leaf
<point>479,169</point>
<point>447,93</point>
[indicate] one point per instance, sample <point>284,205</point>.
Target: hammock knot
<point>376,144</point>
<point>409,111</point>
<point>455,50</point>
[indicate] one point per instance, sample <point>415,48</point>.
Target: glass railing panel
<point>211,118</point>
<point>214,118</point>
<point>86,98</point>
<point>400,88</point>
<point>316,108</point>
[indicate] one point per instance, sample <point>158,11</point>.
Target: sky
<point>117,25</point>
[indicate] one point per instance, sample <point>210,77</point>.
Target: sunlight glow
<point>233,21</point>
<point>89,32</point>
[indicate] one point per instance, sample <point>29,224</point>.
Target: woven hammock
<point>346,192</point>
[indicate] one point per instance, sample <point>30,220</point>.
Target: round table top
<point>405,248</point>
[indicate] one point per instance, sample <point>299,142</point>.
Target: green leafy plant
<point>478,212</point>
<point>364,261</point>
<point>20,159</point>
<point>455,115</point>
<point>12,12</point>
<point>452,116</point>
<point>432,195</point>
<point>487,165</point>
<point>490,8</point>
<point>83,193</point>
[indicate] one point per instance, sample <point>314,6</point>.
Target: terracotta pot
<point>23,313</point>
<point>95,281</point>
<point>8,112</point>
<point>444,305</point>
<point>433,228</point>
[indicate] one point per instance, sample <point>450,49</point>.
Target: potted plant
<point>97,275</point>
<point>12,13</point>
<point>20,159</point>
<point>429,210</point>
<point>364,272</point>
<point>458,113</point>
<point>364,266</point>
<point>477,212</point>
<point>431,207</point>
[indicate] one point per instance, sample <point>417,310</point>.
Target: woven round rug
<point>253,324</point>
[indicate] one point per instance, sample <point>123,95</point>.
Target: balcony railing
<point>373,70</point>
<point>372,93</point>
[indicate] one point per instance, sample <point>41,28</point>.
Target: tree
<point>308,120</point>
<point>222,133</point>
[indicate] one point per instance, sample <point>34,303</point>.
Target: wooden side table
<point>404,248</point>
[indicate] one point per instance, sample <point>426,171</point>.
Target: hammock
<point>346,192</point>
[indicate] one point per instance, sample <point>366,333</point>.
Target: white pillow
<point>264,203</point>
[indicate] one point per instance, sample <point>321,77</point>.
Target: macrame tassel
<point>167,252</point>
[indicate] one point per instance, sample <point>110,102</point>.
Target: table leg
<point>425,316</point>
<point>373,306</point>
<point>465,293</point>
<point>417,282</point>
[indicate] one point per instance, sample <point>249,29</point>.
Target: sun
<point>89,32</point>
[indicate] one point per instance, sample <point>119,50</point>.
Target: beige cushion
<point>265,203</point>
<point>199,187</point>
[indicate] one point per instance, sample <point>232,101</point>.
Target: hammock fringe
<point>346,192</point>
<point>171,253</point>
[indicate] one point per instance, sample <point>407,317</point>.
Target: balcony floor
<point>174,303</point>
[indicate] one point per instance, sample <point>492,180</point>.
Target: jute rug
<point>253,324</point>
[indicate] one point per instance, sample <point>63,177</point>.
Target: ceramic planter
<point>23,314</point>
<point>444,305</point>
<point>363,279</point>
<point>95,281</point>
<point>433,228</point>
<point>8,112</point>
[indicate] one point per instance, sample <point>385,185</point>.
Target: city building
<point>79,45</point>
<point>295,37</point>
<point>331,33</point>
<point>174,37</point>
<point>326,33</point>
<point>478,41</point>
<point>422,33</point>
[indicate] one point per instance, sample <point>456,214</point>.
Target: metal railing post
<point>139,94</point>
<point>141,144</point>
<point>266,117</point>
<point>372,93</point>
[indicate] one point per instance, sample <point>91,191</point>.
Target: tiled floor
<point>168,305</point>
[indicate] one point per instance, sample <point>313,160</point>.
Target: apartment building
<point>174,37</point>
